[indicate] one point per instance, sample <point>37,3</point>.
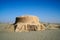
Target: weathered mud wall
<point>27,19</point>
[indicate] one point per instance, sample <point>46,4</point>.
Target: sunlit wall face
<point>47,11</point>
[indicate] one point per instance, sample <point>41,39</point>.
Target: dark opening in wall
<point>32,27</point>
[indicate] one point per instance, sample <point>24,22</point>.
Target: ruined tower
<point>28,23</point>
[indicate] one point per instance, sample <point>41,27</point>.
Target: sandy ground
<point>33,35</point>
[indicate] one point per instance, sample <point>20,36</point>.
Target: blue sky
<point>46,10</point>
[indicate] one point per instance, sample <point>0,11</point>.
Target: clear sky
<point>46,10</point>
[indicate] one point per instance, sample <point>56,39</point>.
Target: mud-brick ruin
<point>27,24</point>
